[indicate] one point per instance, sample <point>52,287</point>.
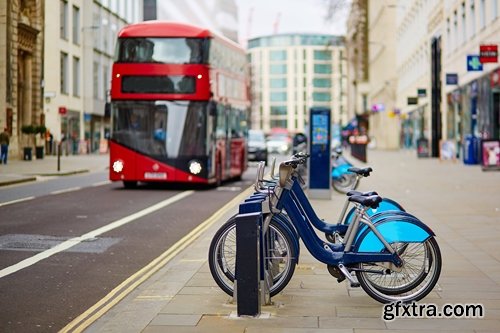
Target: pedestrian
<point>4,142</point>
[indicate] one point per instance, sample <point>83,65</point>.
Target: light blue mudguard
<point>339,170</point>
<point>384,206</point>
<point>394,230</point>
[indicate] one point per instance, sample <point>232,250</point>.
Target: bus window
<point>163,50</point>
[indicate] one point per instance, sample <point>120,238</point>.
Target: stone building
<point>21,62</point>
<point>357,59</point>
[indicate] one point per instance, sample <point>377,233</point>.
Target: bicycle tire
<point>414,291</point>
<point>222,256</point>
<point>344,183</point>
<point>412,274</point>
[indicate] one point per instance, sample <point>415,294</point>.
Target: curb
<point>17,181</point>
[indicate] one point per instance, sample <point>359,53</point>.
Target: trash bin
<point>471,149</point>
<point>39,152</point>
<point>423,147</point>
<point>27,156</point>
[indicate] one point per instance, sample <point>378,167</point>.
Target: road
<point>76,240</point>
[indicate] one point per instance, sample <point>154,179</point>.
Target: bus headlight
<point>118,166</point>
<point>195,167</point>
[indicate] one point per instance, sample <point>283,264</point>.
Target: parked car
<point>279,143</point>
<point>257,148</point>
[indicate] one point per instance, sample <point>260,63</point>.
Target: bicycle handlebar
<point>298,158</point>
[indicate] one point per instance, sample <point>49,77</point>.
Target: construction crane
<point>276,24</point>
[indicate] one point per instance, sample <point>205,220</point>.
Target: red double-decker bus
<point>179,105</point>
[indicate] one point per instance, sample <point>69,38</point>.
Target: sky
<point>258,17</point>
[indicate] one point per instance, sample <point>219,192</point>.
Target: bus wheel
<point>129,184</point>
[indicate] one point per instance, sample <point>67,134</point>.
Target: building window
<point>464,24</point>
<point>76,25</point>
<point>63,20</point>
<point>277,69</point>
<point>278,110</point>
<point>106,78</point>
<point>278,55</point>
<point>322,83</point>
<point>95,80</point>
<point>482,18</point>
<point>322,69</point>
<point>494,9</point>
<point>455,29</point>
<point>278,123</point>
<point>278,83</point>
<point>322,55</point>
<point>278,97</point>
<point>472,19</point>
<point>76,77</point>
<point>64,73</point>
<point>321,97</point>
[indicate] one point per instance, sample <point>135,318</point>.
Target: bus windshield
<point>162,129</point>
<point>162,50</point>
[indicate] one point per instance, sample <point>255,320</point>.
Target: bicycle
<point>385,273</point>
<point>333,232</point>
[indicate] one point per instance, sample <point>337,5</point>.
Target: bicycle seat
<point>365,172</point>
<point>365,194</point>
<point>371,201</point>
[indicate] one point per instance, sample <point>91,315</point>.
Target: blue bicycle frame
<point>348,253</point>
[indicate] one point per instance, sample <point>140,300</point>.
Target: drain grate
<point>39,243</point>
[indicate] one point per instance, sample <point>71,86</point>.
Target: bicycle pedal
<point>355,285</point>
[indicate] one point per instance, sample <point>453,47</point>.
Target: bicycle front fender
<point>339,170</point>
<point>393,230</point>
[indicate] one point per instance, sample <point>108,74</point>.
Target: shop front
<point>473,114</point>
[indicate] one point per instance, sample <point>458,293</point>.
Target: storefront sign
<point>473,63</point>
<point>421,92</point>
<point>491,154</point>
<point>378,107</point>
<point>412,100</point>
<point>63,110</point>
<point>451,78</point>
<point>495,78</point>
<point>488,53</point>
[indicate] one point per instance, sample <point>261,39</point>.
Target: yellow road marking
<point>126,287</point>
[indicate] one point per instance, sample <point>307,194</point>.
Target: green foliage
<point>40,129</point>
<point>28,129</point>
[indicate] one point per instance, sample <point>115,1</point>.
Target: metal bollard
<point>247,282</point>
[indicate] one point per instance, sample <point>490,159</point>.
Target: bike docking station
<point>252,279</point>
<point>320,150</point>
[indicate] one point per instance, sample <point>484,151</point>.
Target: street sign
<point>63,110</point>
<point>473,63</point>
<point>412,101</point>
<point>488,53</point>
<point>421,92</point>
<point>451,78</point>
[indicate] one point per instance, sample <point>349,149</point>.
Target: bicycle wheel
<point>419,274</point>
<point>280,258</point>
<point>344,183</point>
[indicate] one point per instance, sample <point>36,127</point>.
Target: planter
<point>39,152</point>
<point>27,153</point>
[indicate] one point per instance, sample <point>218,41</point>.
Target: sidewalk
<point>18,171</point>
<point>460,203</point>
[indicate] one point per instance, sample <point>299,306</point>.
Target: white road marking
<point>105,182</point>
<point>71,189</point>
<point>92,234</point>
<point>16,201</point>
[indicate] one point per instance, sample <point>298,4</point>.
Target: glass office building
<point>291,73</point>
